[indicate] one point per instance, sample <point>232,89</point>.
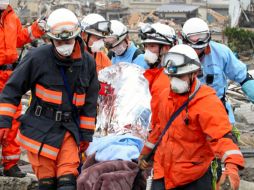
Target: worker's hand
<point>105,89</point>
<point>83,146</point>
<point>42,23</point>
<point>142,163</point>
<point>230,179</point>
<point>3,134</point>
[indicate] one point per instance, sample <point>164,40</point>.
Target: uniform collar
<point>194,85</point>
<point>207,50</point>
<point>74,59</point>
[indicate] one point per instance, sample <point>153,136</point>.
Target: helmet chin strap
<point>158,61</point>
<point>87,41</point>
<point>191,80</point>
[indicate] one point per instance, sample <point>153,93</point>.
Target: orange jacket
<point>158,81</point>
<point>13,36</point>
<point>186,151</point>
<point>102,61</point>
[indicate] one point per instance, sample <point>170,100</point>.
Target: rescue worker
<point>157,40</point>
<point>64,85</point>
<point>121,49</point>
<point>94,29</point>
<point>198,134</point>
<point>12,36</point>
<point>218,62</point>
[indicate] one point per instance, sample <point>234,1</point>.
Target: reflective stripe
<point>230,152</point>
<point>79,99</point>
<point>30,32</point>
<point>87,122</point>
<point>7,109</point>
<point>34,146</point>
<point>57,28</point>
<point>48,95</point>
<point>13,157</point>
<point>149,145</point>
<point>49,151</point>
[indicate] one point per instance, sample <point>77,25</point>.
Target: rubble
<point>11,183</point>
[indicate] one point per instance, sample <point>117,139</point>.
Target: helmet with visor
<point>181,59</point>
<point>196,33</point>
<point>62,24</point>
<point>96,24</point>
<point>118,34</point>
<point>157,33</point>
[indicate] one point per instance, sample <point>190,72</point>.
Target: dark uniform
<point>51,114</point>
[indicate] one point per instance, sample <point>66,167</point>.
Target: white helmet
<point>62,24</point>
<point>158,33</point>
<point>95,24</point>
<point>118,33</point>
<point>4,4</point>
<point>196,33</point>
<point>181,59</point>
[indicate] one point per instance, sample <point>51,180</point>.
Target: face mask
<point>4,4</point>
<point>97,46</point>
<point>150,57</point>
<point>179,86</point>
<point>120,49</point>
<point>65,50</point>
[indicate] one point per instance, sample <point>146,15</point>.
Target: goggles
<point>172,62</point>
<point>113,39</point>
<point>147,32</point>
<point>198,38</point>
<point>102,26</point>
<point>63,32</point>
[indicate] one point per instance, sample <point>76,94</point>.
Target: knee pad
<point>47,184</point>
<point>66,182</point>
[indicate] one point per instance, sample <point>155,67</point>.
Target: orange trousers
<point>67,160</point>
<point>10,148</point>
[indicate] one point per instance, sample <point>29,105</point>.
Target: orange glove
<point>3,134</point>
<point>230,179</point>
<point>83,146</point>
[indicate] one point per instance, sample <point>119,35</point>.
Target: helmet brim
<point>149,41</point>
<point>190,68</point>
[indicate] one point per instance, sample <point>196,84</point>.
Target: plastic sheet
<point>127,108</point>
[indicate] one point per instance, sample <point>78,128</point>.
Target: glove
<point>83,146</point>
<point>42,23</point>
<point>230,179</point>
<point>248,89</point>
<point>105,89</point>
<point>3,134</point>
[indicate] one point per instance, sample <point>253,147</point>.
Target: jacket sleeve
<point>89,110</point>
<point>18,84</point>
<point>26,35</point>
<point>215,124</point>
<point>234,69</point>
<point>152,138</point>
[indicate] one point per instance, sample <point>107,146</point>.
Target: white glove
<point>42,23</point>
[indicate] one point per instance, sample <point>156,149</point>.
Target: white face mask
<point>65,50</point>
<point>4,4</point>
<point>179,86</point>
<point>120,49</point>
<point>150,57</point>
<point>97,46</point>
